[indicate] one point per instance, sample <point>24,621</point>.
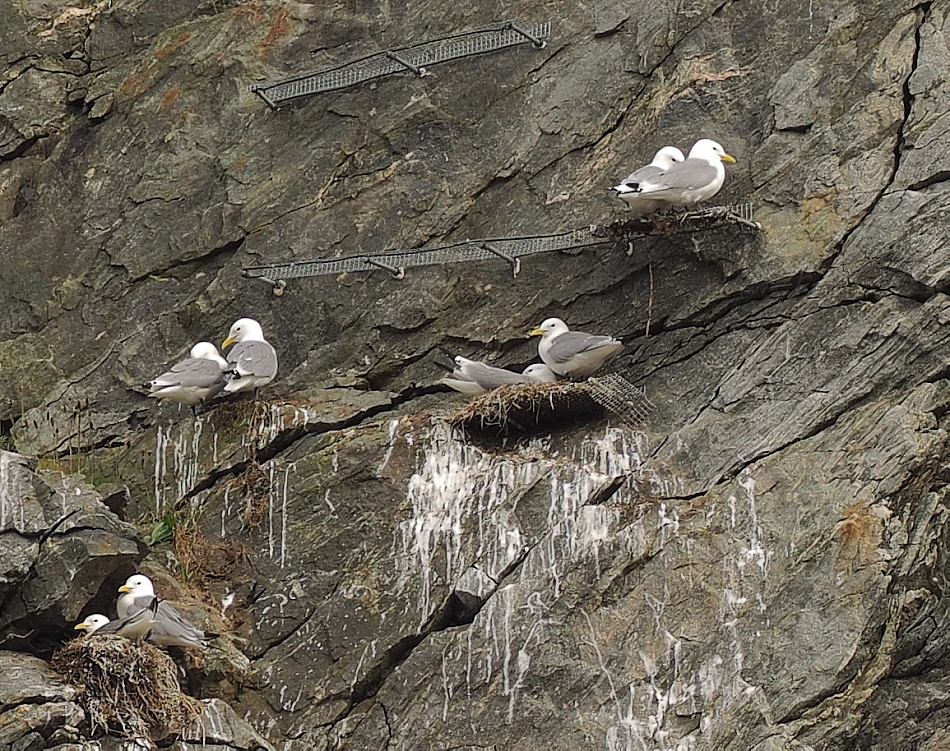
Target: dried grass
<point>127,689</point>
<point>525,408</point>
<point>202,559</point>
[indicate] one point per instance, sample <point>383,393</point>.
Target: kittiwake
<point>170,628</point>
<point>136,627</point>
<point>474,377</point>
<point>539,373</point>
<point>573,353</point>
<point>252,361</point>
<point>197,377</point>
<point>691,181</point>
<point>629,190</point>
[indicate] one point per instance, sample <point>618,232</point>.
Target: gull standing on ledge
<point>694,180</point>
<point>252,360</point>
<point>573,353</point>
<point>169,628</point>
<point>198,377</point>
<point>628,191</point>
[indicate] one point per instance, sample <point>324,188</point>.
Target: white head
<point>550,328</point>
<point>138,585</point>
<point>205,350</point>
<point>244,330</point>
<point>540,373</point>
<point>667,157</point>
<point>706,148</point>
<point>92,623</point>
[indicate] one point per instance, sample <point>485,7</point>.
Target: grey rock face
<point>36,708</point>
<point>60,545</point>
<point>761,566</point>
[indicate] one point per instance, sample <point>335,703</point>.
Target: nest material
<point>526,408</point>
<point>533,407</point>
<point>126,689</point>
<point>676,221</point>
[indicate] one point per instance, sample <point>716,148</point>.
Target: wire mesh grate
<point>506,248</point>
<point>622,398</point>
<point>415,58</point>
<point>509,249</point>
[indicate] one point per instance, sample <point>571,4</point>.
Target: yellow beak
<point>79,627</point>
<point>727,158</point>
<point>536,332</point>
<point>230,340</point>
<point>125,588</point>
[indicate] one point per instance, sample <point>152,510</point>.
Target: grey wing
<point>139,604</point>
<point>691,174</point>
<point>194,372</point>
<point>170,624</point>
<point>572,343</point>
<point>135,626</point>
<point>490,377</point>
<point>253,358</point>
<point>639,175</point>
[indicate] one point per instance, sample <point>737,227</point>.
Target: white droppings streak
<point>390,447</point>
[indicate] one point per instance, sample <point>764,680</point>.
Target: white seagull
<point>198,377</point>
<point>573,353</point>
<point>252,361</point>
<point>136,627</point>
<point>694,180</point>
<point>170,628</point>
<point>629,190</point>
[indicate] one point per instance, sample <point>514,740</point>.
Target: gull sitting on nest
<point>696,179</point>
<point>629,190</point>
<point>573,354</point>
<point>474,377</point>
<point>170,628</point>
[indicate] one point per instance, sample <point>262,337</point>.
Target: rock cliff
<point>760,565</point>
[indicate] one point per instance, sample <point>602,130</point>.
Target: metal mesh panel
<point>616,393</point>
<point>470,250</point>
<point>511,249</point>
<point>414,57</point>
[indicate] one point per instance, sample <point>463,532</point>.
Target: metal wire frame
<point>414,58</point>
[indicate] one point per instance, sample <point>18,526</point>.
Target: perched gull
<point>694,180</point>
<point>540,373</point>
<point>629,190</point>
<point>136,627</point>
<point>573,353</point>
<point>474,377</point>
<point>169,629</point>
<point>252,361</point>
<point>199,376</point>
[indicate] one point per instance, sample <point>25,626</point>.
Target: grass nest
<point>202,559</point>
<point>526,408</point>
<point>126,689</point>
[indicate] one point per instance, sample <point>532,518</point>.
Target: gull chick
<point>629,189</point>
<point>573,353</point>
<point>696,179</point>
<point>252,361</point>
<point>197,377</point>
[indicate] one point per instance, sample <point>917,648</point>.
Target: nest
<point>526,408</point>
<point>676,221</point>
<point>534,407</point>
<point>127,689</point>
